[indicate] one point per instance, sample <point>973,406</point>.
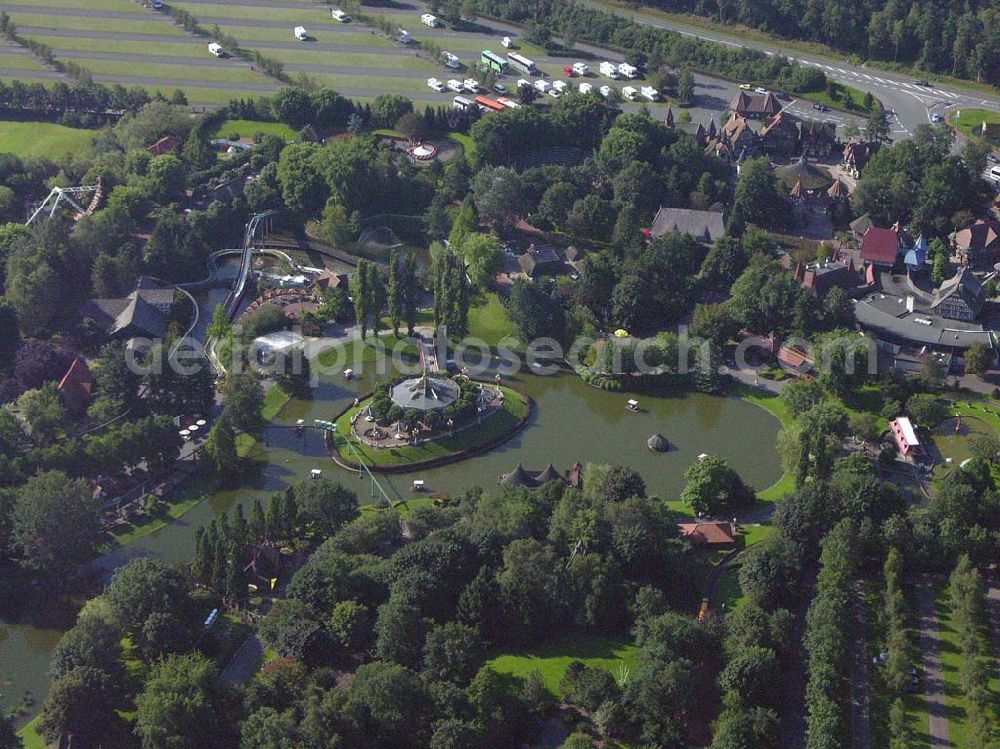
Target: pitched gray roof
<point>963,283</point>
<point>707,226</point>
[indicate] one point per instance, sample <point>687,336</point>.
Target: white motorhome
<point>301,34</point>
<point>456,85</point>
<point>472,85</point>
<point>605,91</point>
<point>650,93</point>
<point>429,20</point>
<point>559,86</point>
<point>340,15</point>
<point>629,71</point>
<point>585,88</point>
<point>630,93</point>
<point>216,49</point>
<point>507,42</point>
<point>451,60</point>
<point>435,84</point>
<point>542,85</point>
<point>580,68</point>
<point>403,36</point>
<point>507,102</point>
<point>522,83</point>
<point>610,70</point>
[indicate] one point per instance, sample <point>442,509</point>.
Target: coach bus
<point>493,62</point>
<point>489,103</point>
<point>521,63</point>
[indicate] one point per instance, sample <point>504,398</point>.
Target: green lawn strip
<point>406,506</point>
<point>83,23</point>
<point>15,61</point>
<point>972,118</point>
<point>728,595</point>
<point>956,704</point>
<point>373,59</point>
<point>44,139</point>
<point>466,142</point>
<point>552,658</point>
<point>172,72</point>
<point>274,400</point>
<point>169,511</point>
<point>346,80</point>
<point>496,426</point>
<point>180,48</point>
<point>489,321</point>
<point>30,736</point>
<point>355,354</point>
<point>119,6</point>
<point>304,17</point>
<point>250,128</point>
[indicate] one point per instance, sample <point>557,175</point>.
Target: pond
<point>571,422</point>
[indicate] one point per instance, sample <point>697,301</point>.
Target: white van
<point>340,15</point>
<point>507,42</point>
<point>610,70</point>
<point>650,93</point>
<point>630,93</point>
<point>429,20</point>
<point>301,34</point>
<point>216,49</point>
<point>542,85</point>
<point>995,174</point>
<point>451,60</point>
<point>580,68</point>
<point>559,86</point>
<point>605,91</point>
<point>585,88</point>
<point>435,84</point>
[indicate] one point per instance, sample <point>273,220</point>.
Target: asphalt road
<point>913,104</point>
<point>930,647</point>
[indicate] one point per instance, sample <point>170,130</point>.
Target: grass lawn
<point>274,400</point>
<point>44,139</point>
<point>141,25</point>
<point>15,61</point>
<point>489,321</point>
<point>172,72</point>
<point>355,354</point>
<point>552,658</point>
<point>192,47</point>
<point>119,6</point>
<point>972,118</point>
<point>30,736</point>
<point>728,592</point>
<point>250,128</point>
<point>515,409</point>
<point>168,512</point>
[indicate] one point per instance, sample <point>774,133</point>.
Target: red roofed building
<point>166,144</point>
<point>978,245</point>
<point>880,246</point>
<point>716,535</point>
<point>328,280</point>
<point>906,438</point>
<point>76,386</point>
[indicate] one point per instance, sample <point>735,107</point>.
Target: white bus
<point>460,102</point>
<point>521,63</point>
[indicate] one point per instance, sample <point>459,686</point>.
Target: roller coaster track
<point>259,223</point>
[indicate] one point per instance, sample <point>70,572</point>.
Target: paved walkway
<point>244,662</point>
<point>930,647</point>
<point>861,731</point>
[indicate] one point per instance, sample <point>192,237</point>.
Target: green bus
<point>493,63</point>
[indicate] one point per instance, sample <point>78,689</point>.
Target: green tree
<point>243,399</point>
<point>325,504</point>
<point>220,449</point>
<point>453,652</point>
<point>55,522</point>
<point>757,199</point>
<point>396,291</point>
<point>361,296</point>
<point>8,737</point>
<point>483,257</point>
<point>713,487</point>
<point>81,705</point>
<point>44,413</point>
<point>179,707</point>
<point>978,359</point>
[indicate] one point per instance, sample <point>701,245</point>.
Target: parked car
<point>936,117</point>
<point>500,88</point>
<point>821,107</point>
<point>745,87</point>
<point>922,82</point>
<point>761,90</point>
<point>555,93</point>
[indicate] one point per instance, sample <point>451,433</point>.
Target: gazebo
<point>799,193</point>
<point>659,443</point>
<point>811,176</point>
<point>838,190</point>
<point>425,393</point>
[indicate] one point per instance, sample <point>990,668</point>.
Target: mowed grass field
<point>113,38</point>
<point>44,139</point>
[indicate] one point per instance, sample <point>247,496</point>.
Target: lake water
<point>570,422</point>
